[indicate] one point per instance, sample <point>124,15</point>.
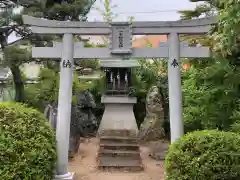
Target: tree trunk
<point>18,83</point>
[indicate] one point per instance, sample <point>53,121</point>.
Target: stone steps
<point>119,146</point>
<point>116,92</point>
<point>118,139</point>
<point>120,163</point>
<point>119,152</point>
<point>118,133</point>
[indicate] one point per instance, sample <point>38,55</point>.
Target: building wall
<point>154,40</point>
<point>138,41</point>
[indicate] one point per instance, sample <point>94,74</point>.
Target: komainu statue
<point>83,121</point>
<point>152,127</point>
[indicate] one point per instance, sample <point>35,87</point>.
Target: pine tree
<point>11,22</point>
<point>9,25</point>
<point>205,9</point>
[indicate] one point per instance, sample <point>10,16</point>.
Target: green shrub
<point>27,144</point>
<point>236,127</point>
<point>204,155</point>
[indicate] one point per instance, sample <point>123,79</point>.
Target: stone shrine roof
<point>119,63</point>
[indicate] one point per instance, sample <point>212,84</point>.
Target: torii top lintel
<point>195,26</point>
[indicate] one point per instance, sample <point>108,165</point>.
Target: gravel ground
<point>84,164</point>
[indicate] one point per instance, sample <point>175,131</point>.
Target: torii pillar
<point>64,107</point>
<point>174,88</point>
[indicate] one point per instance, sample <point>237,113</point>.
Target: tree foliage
<point>211,95</point>
<point>211,86</point>
<point>74,10</point>
<point>46,90</point>
<point>11,22</point>
<point>227,35</point>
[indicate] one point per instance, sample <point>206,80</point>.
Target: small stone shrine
<point>118,130</point>
<point>118,75</point>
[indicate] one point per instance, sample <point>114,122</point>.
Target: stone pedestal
<point>118,118</point>
<point>118,133</point>
<point>68,176</point>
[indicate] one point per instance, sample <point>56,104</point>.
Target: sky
<point>141,10</point>
<point>145,10</point>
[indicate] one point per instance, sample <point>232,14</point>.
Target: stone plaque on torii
<point>120,35</point>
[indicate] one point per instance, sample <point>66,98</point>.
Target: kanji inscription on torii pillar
<point>121,38</point>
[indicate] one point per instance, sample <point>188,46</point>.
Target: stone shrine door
<point>118,80</point>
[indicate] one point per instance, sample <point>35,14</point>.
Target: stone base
<point>68,176</point>
<point>118,117</point>
<point>118,132</point>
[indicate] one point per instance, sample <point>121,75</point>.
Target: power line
<point>147,12</point>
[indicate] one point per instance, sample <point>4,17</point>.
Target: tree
<point>206,8</point>
<point>11,22</point>
<point>74,10</point>
<point>14,57</point>
<point>108,14</point>
<point>210,86</point>
<point>211,95</point>
<point>227,35</point>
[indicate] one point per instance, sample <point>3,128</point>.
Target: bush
<point>27,144</point>
<point>236,127</point>
<point>204,155</point>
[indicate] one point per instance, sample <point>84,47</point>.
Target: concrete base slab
<point>68,176</point>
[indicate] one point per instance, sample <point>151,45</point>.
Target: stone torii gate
<point>120,34</point>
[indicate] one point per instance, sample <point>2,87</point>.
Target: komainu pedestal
<point>118,133</point>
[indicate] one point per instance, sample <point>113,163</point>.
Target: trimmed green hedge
<point>27,144</point>
<point>236,127</point>
<point>204,155</point>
